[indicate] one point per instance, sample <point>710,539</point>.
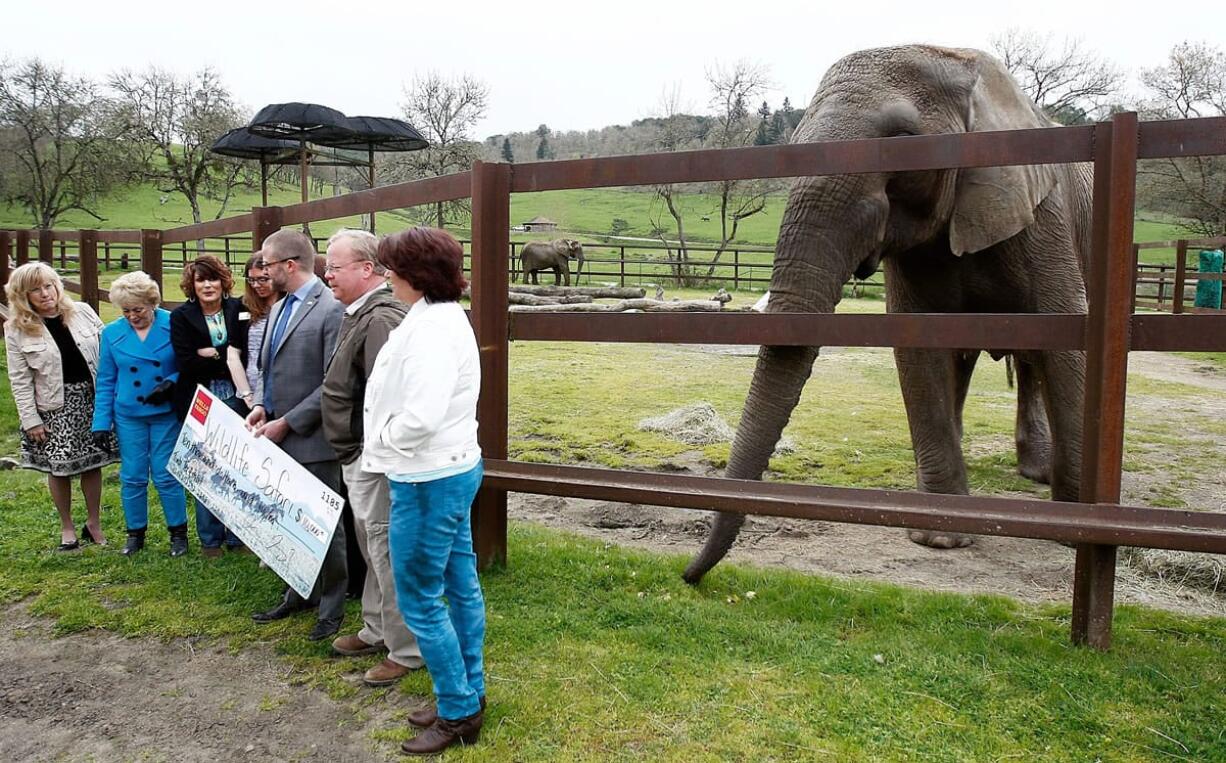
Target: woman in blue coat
<point>136,381</point>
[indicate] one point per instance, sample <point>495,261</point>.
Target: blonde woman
<point>136,387</point>
<point>52,348</point>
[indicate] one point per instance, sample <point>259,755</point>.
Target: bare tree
<point>1192,83</point>
<point>176,121</point>
<point>731,125</point>
<point>1067,81</point>
<point>444,110</point>
<point>676,132</point>
<point>59,138</point>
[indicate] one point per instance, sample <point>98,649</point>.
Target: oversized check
<point>279,509</point>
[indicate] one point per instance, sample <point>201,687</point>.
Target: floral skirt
<point>69,449</point>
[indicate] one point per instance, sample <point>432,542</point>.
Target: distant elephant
<point>554,255</point>
<point>982,239</point>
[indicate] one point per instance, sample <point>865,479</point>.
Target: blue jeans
<point>211,530</point>
<point>430,539</point>
<point>145,445</point>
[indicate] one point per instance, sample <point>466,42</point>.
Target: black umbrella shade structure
<point>240,143</point>
<point>323,126</point>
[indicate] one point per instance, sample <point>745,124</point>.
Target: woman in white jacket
<point>420,425</point>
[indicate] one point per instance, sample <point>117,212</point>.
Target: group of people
<point>367,377</point>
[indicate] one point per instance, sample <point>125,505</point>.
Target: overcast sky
<point>568,64</point>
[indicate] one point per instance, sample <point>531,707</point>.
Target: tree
<point>730,126</point>
<point>444,110</point>
<point>543,151</point>
<point>507,154</point>
<point>176,119</point>
<point>762,134</point>
<point>1065,80</point>
<point>1192,83</point>
<point>60,142</point>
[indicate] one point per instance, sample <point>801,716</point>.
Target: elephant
<point>977,240</point>
<point>554,255</point>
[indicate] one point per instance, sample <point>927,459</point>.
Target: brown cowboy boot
<point>425,717</point>
<point>444,734</point>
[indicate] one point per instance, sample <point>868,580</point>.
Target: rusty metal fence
<point>1097,525</point>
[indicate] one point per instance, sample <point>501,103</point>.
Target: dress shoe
<point>239,549</point>
<point>178,540</point>
<point>210,553</point>
<point>279,612</point>
<point>88,537</point>
<point>425,718</point>
<point>135,542</point>
<point>69,546</point>
<point>352,646</point>
<point>387,673</point>
<point>325,629</point>
<point>444,734</point>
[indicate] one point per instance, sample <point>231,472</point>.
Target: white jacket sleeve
<point>425,382</point>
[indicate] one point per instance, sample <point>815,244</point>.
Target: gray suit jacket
<point>297,366</point>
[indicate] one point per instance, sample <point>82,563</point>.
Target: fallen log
<point>515,298</point>
<point>625,305</point>
<point>596,292</point>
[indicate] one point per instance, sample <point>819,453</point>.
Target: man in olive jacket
<point>371,312</point>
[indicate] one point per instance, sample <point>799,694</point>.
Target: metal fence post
<point>1181,274</point>
<point>45,246</point>
<point>6,243</point>
<point>491,221</point>
<point>87,261</point>
<point>267,221</point>
<point>23,247</point>
<point>151,256</point>
<point>1107,340</point>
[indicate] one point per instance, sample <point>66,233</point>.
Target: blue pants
<point>145,444</point>
<point>431,543</point>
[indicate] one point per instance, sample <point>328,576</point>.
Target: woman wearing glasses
<point>258,297</point>
<point>52,348</point>
<point>136,382</point>
<point>203,330</point>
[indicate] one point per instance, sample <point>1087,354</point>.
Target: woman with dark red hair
<point>420,425</point>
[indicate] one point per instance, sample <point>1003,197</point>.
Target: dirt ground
<point>1036,571</point>
<point>96,696</point>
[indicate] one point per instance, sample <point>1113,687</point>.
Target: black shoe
<point>325,629</point>
<point>85,535</point>
<point>279,612</point>
<point>178,540</point>
<point>135,542</point>
<point>73,546</point>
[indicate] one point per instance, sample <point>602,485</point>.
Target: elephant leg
<point>1062,378</point>
<point>933,388</point>
<point>964,368</point>
<point>1031,433</point>
<point>566,276</point>
<point>557,276</point>
<point>533,275</point>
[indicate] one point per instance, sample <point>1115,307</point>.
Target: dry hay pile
<point>1206,572</point>
<point>699,424</point>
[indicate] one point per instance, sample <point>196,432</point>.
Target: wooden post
<point>267,222</point>
<point>736,269</point>
<point>1136,274</point>
<point>45,246</point>
<point>63,255</point>
<point>1181,274</point>
<point>491,246</point>
<point>106,254</point>
<point>87,259</point>
<point>23,247</point>
<point>151,256</point>
<point>1107,340</point>
<point>6,239</point>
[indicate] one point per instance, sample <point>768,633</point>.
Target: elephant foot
<point>1040,472</point>
<point>934,539</point>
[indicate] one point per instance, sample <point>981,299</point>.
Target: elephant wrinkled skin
<point>553,255</point>
<point>989,240</point>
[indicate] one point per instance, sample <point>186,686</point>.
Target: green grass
<point>598,652</point>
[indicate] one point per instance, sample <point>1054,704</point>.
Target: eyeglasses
<point>136,310</point>
<point>259,280</point>
<point>268,262</point>
<point>330,268</point>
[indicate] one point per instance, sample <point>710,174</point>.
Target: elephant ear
<point>992,204</point>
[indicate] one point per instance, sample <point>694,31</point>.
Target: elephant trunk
<point>812,264</point>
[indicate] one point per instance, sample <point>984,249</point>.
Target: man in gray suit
<point>301,335</point>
